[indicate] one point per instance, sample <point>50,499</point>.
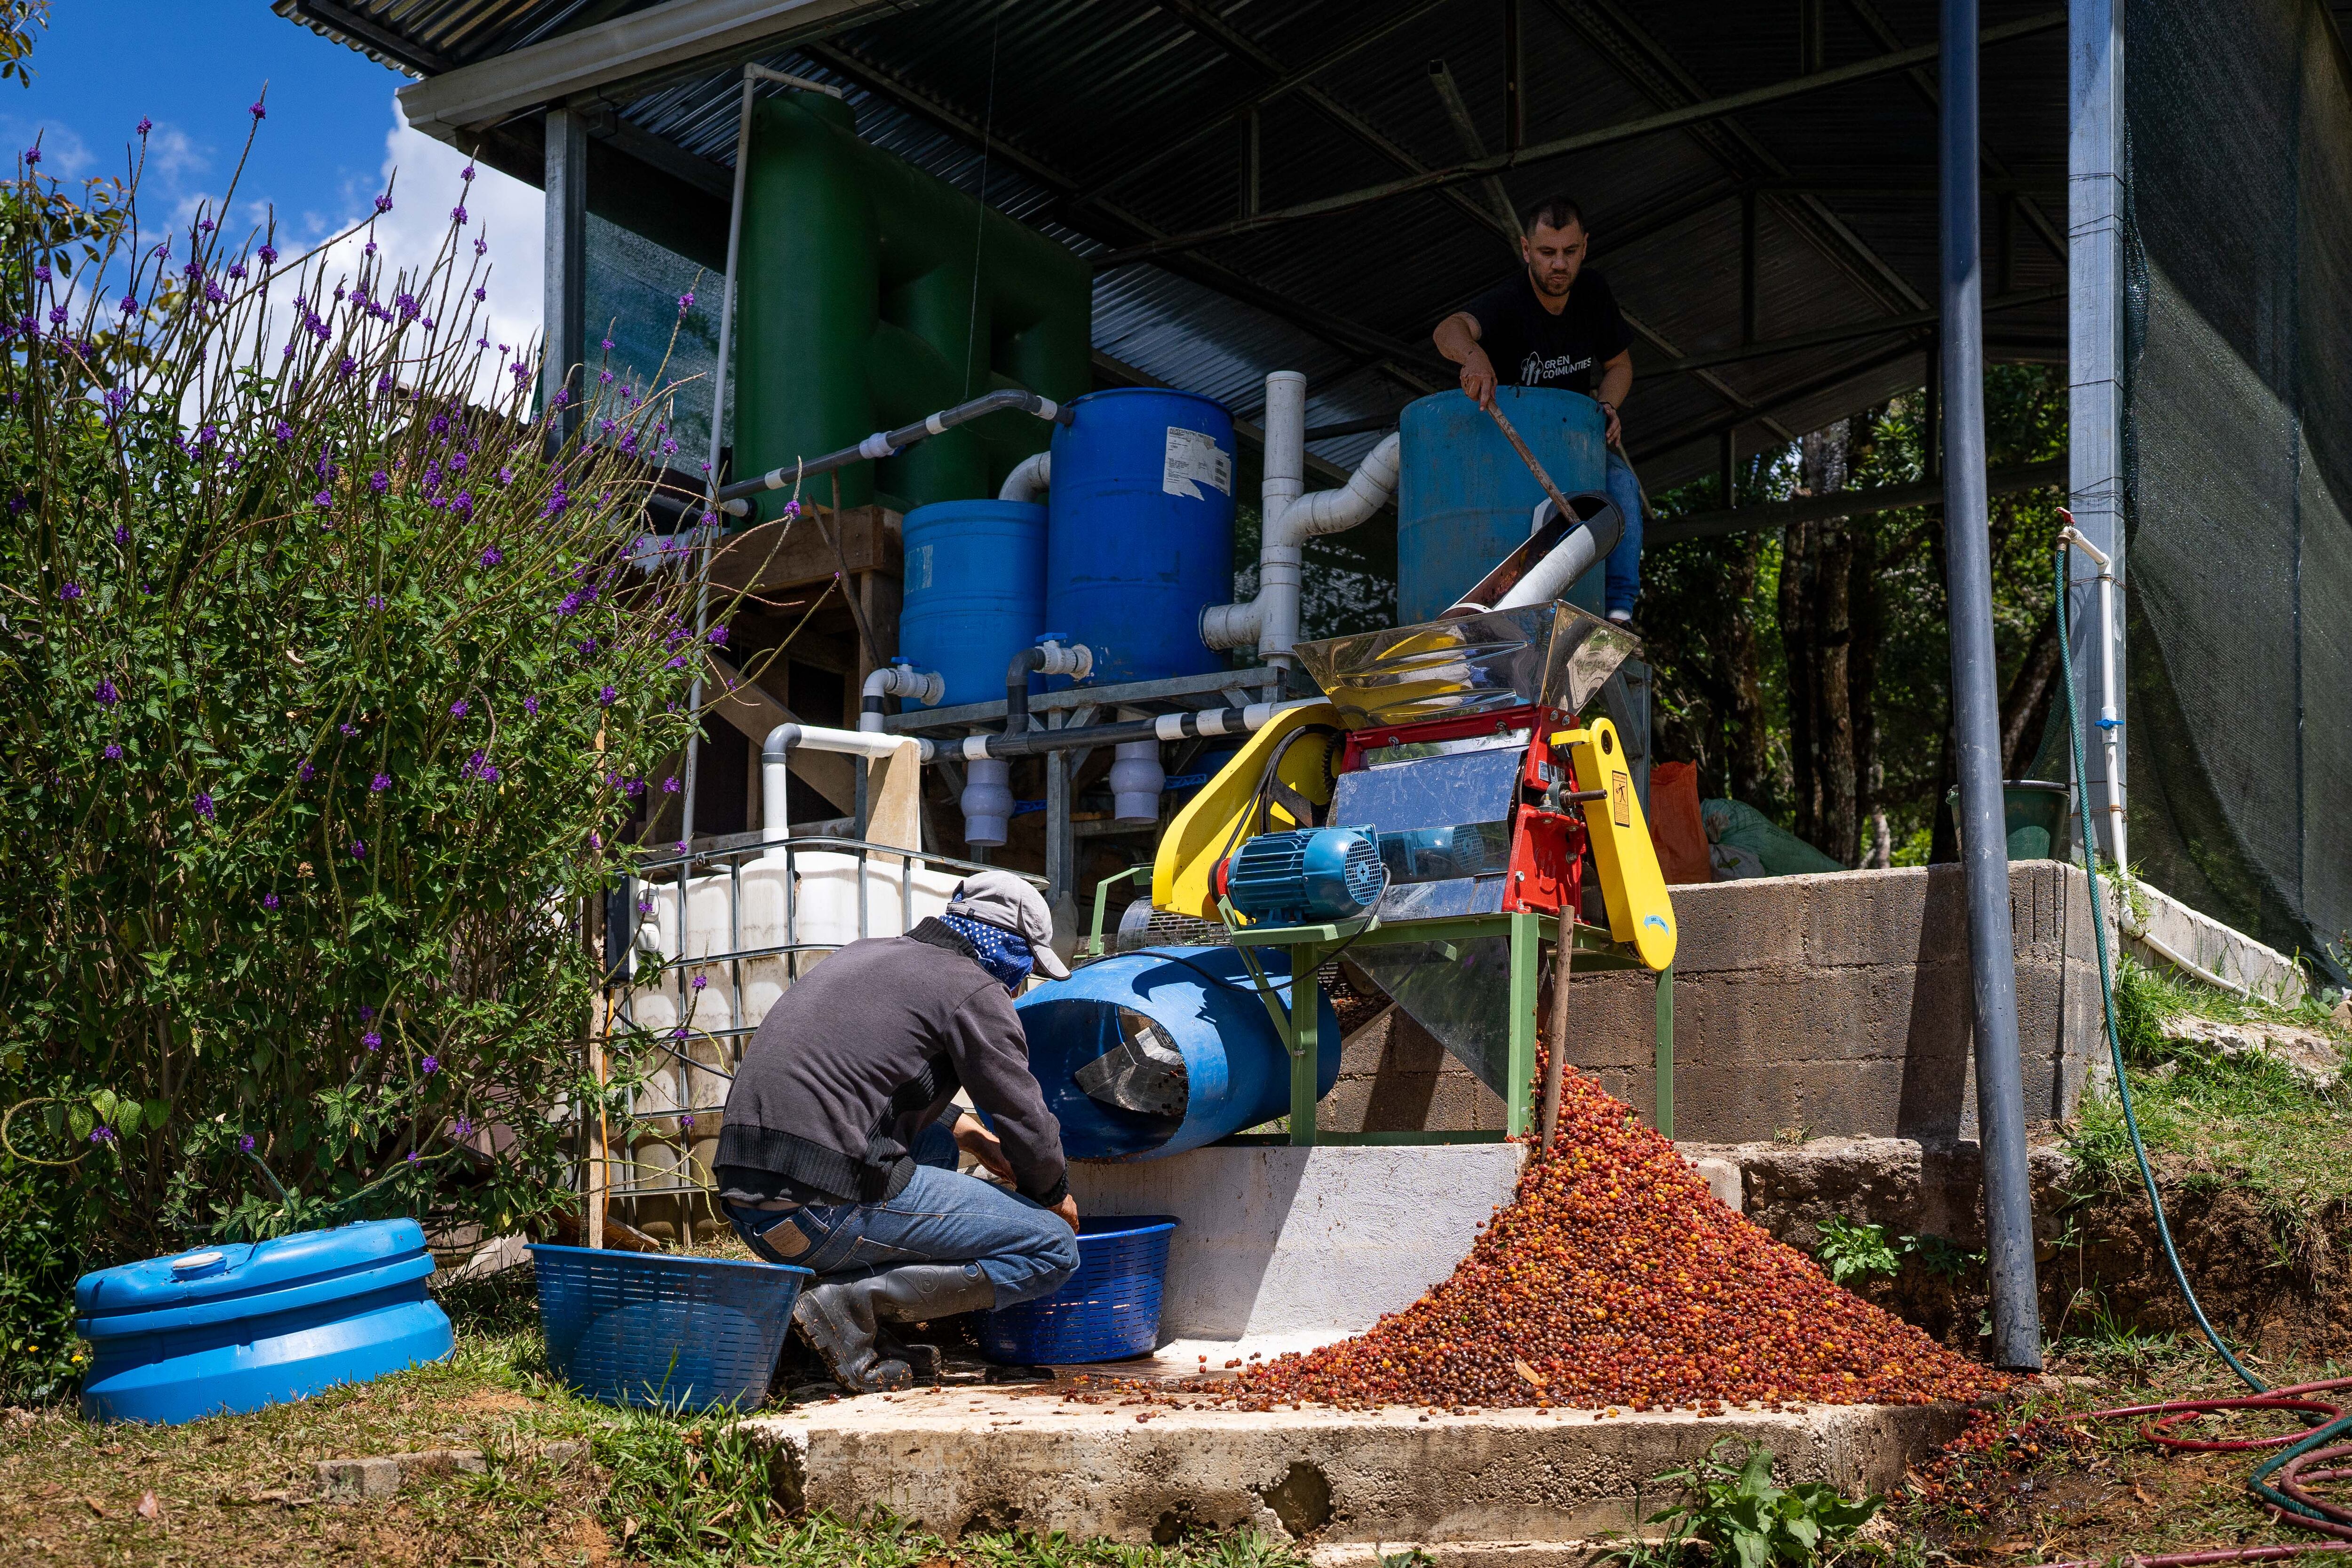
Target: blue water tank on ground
<point>975,591</point>
<point>1142,538</point>
<point>1196,1002</point>
<point>234,1327</point>
<point>1465,499</point>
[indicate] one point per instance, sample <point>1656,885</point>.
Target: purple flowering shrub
<point>303,779</point>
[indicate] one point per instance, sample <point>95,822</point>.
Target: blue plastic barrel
<point>1107,1311</point>
<point>975,591</point>
<point>1465,499</point>
<point>662,1331</point>
<point>1237,1071</point>
<point>1142,538</point>
<point>232,1328</point>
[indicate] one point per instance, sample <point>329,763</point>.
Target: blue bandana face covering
<point>1002,953</point>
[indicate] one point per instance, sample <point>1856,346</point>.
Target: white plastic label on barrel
<point>918,568</point>
<point>1196,459</point>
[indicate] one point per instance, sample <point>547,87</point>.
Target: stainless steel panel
<point>1460,992</point>
<point>1554,654</point>
<point>1428,792</point>
<point>1440,901</point>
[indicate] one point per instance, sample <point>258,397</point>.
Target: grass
<point>661,1490</point>
<point>2207,1118</point>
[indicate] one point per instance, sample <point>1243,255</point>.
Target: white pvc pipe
<point>1029,479</point>
<point>2110,721</point>
<point>775,766</point>
<point>1289,518</point>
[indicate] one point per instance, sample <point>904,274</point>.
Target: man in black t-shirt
<point>1555,324</point>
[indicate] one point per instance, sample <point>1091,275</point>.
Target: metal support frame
<point>1312,947</point>
<point>2094,267</point>
<point>564,344</point>
<point>1976,718</point>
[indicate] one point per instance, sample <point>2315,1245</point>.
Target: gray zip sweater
<point>857,1058</point>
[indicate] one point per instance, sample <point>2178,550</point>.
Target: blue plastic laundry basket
<point>665,1333</point>
<point>1107,1311</point>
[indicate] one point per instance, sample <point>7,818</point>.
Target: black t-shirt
<point>1530,347</point>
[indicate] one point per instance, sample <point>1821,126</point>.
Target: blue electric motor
<point>1310,874</point>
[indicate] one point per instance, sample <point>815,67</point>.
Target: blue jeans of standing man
<point>1025,1250</point>
<point>1625,565</point>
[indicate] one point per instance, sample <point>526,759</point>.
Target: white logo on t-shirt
<point>1536,369</point>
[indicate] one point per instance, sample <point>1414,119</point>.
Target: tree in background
<point>1804,668</point>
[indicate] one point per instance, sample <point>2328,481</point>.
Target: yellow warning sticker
<point>1621,798</point>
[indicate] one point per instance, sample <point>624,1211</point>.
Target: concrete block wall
<point>1830,1005</point>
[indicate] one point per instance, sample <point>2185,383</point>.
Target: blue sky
<point>332,135</point>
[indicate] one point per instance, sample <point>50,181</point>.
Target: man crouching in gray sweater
<point>839,1148</point>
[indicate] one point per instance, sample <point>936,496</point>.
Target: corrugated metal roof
<point>1110,123</point>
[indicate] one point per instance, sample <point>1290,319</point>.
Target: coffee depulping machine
<point>1432,821</point>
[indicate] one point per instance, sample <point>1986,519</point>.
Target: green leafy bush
<point>1851,1251</point>
<point>333,681</point>
<point>1742,1517</point>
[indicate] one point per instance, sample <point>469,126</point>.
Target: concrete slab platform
<point>1285,1249</point>
<point>969,1459</point>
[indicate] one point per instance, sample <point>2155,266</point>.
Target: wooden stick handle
<point>1534,467</point>
<point>1555,1057</point>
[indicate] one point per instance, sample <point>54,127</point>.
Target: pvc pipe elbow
<point>1029,480</point>
<point>1232,626</point>
<point>898,679</point>
<point>1367,490</point>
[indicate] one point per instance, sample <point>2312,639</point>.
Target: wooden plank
<point>791,553</point>
<point>894,790</point>
<point>748,706</point>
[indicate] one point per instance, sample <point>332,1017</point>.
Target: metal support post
<point>1061,843</point>
<point>1747,266</point>
<point>563,345</point>
<point>1514,80</point>
<point>1305,1046</point>
<point>1527,968</point>
<point>1251,148</point>
<point>1729,457</point>
<point>1662,1100</point>
<point>2000,1095</point>
<point>2094,276</point>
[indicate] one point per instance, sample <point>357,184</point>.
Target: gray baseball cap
<point>1001,898</point>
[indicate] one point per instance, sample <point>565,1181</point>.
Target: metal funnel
<point>1554,654</point>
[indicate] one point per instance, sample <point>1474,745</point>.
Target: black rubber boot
<point>925,1292</point>
<point>837,1320</point>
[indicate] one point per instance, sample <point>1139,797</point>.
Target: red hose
<point>2337,1518</point>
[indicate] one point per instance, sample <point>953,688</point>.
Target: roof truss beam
<point>1561,147</point>
<point>626,53</point>
<point>1241,46</point>
<point>1393,356</point>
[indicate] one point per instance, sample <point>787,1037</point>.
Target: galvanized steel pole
<point>1975,720</point>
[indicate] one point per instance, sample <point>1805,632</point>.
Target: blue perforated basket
<point>1107,1311</point>
<point>670,1334</point>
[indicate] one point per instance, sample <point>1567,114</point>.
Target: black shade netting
<point>2238,464</point>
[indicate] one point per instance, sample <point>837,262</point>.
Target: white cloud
<point>427,181</point>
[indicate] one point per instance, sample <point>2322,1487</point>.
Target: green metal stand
<point>1311,946</point>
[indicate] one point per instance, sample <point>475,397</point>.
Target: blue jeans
<point>1625,565</point>
<point>1025,1250</point>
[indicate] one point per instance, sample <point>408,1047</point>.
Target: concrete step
<point>962,1460</point>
